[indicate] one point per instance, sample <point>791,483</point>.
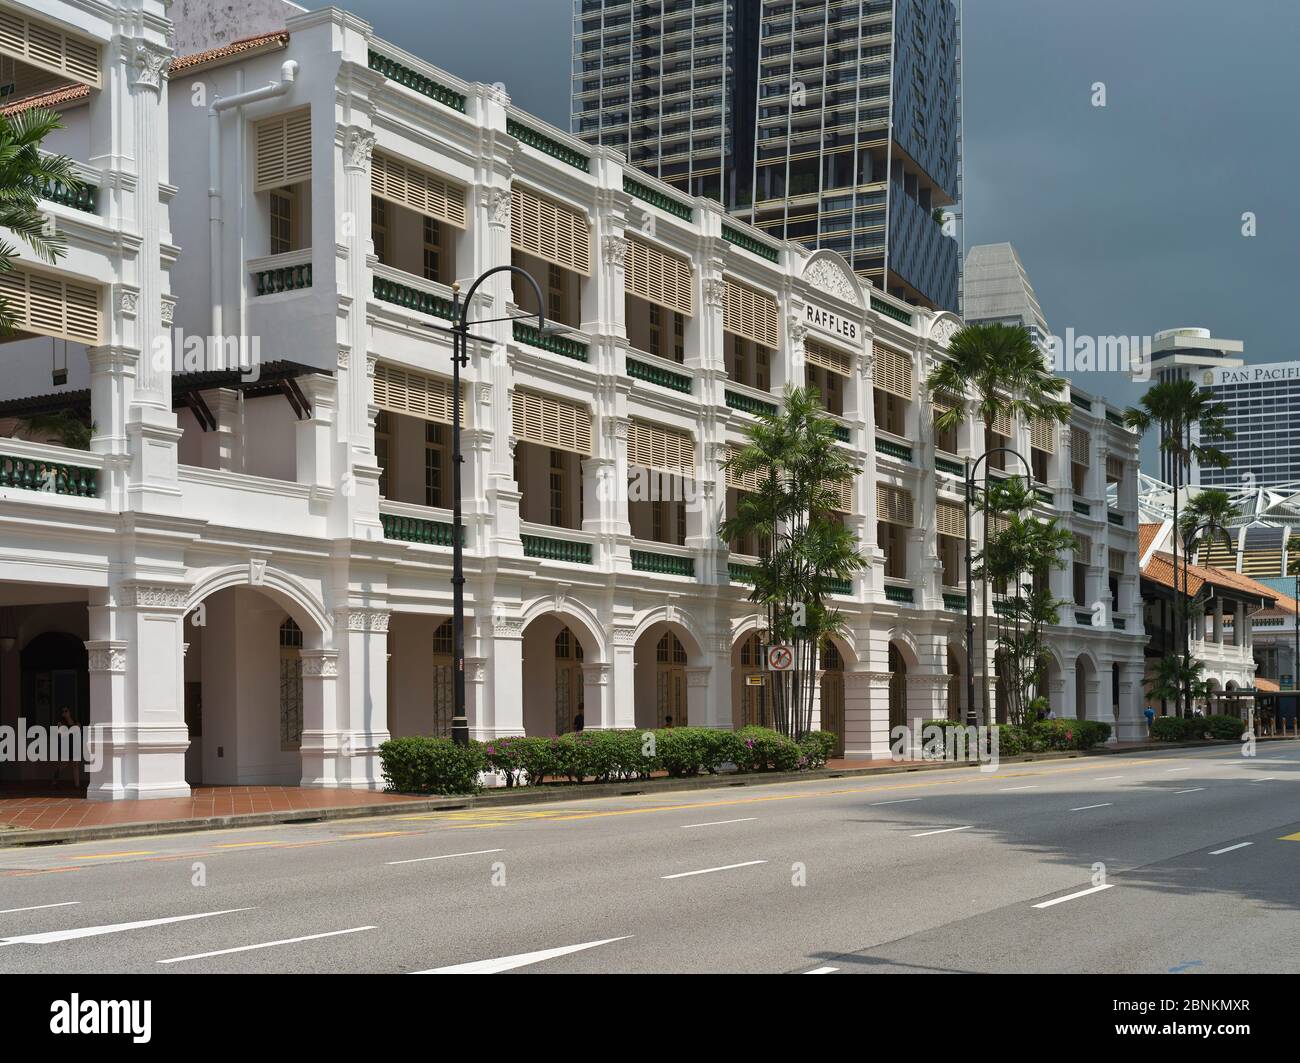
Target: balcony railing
<point>548,549</point>
<point>1116,519</point>
<point>955,603</point>
<point>954,468</point>
<point>659,199</point>
<point>897,592</point>
<point>424,297</point>
<point>893,448</point>
<point>404,75</point>
<point>82,198</point>
<point>417,530</point>
<point>561,345</point>
<point>889,310</point>
<point>281,273</point>
<point>32,473</point>
<point>654,374</point>
<point>547,145</point>
<point>741,573</point>
<point>750,243</point>
<point>748,404</point>
<point>662,564</point>
<point>1082,508</point>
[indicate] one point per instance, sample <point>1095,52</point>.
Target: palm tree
<point>1008,375</point>
<point>26,176</point>
<point>1176,407</point>
<point>805,550</point>
<point>1211,511</point>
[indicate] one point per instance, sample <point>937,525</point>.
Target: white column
<point>866,715</point>
<point>502,710</point>
<point>322,745</point>
<point>363,695</point>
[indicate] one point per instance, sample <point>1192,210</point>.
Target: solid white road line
<point>710,870</point>
<point>1193,790</point>
<point>1008,789</point>
<point>719,822</point>
<point>38,907</point>
<point>445,856</point>
<point>945,830</point>
<point>1230,848</point>
<point>266,945</point>
<point>1084,808</point>
<point>1106,778</point>
<point>1178,769</point>
<point>823,970</point>
<point>112,928</point>
<point>895,801</point>
<point>508,963</point>
<point>1073,896</point>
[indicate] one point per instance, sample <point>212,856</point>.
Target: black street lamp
<point>460,357</point>
<point>972,717</point>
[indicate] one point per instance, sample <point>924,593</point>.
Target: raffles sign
<point>831,323</point>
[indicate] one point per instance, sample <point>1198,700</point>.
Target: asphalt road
<point>1184,861</point>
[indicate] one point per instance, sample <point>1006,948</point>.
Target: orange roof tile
<point>50,99</point>
<point>245,44</point>
<point>1266,686</point>
<point>1146,536</point>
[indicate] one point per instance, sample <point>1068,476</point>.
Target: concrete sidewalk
<point>34,819</point>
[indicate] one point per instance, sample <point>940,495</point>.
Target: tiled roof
<point>1266,686</point>
<point>51,99</point>
<point>1160,569</point>
<point>278,38</point>
<point>1146,536</point>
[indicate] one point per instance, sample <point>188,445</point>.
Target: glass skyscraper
<point>1263,409</point>
<point>832,122</point>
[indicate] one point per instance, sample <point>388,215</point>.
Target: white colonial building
<point>246,578</point>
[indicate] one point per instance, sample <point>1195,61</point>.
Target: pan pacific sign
<point>831,323</point>
<point>1274,372</point>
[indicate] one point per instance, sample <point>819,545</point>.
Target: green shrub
<point>818,747</point>
<point>762,749</point>
<point>1169,728</point>
<point>1224,726</point>
<point>1013,741</point>
<point>431,765</point>
<point>683,751</point>
<point>1068,734</point>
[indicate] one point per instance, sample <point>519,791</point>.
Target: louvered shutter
<point>950,518</point>
<point>943,402</point>
<point>820,354</point>
<point>998,523</point>
<point>550,422</point>
<point>1082,548</point>
<point>282,150</point>
<point>555,233</point>
<point>894,505</point>
<point>416,394</point>
<point>1116,561</point>
<point>750,314</point>
<point>52,306</point>
<point>655,447</point>
<point>423,192</point>
<point>1114,468</point>
<point>50,49</point>
<point>750,481</point>
<point>1002,425</point>
<point>659,277</point>
<point>1080,446</point>
<point>892,372</point>
<point>1042,434</point>
<point>843,494</point>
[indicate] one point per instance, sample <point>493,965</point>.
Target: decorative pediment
<point>944,328</point>
<point>828,272</point>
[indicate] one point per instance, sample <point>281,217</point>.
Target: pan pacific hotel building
<point>1263,408</point>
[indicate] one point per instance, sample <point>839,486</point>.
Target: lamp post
<point>972,717</point>
<point>460,357</point>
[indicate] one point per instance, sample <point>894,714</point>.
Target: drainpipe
<point>288,74</point>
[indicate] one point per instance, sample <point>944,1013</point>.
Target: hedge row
<point>1185,728</point>
<point>437,766</point>
<point>1042,736</point>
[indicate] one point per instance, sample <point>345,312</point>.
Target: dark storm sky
<point>1128,217</point>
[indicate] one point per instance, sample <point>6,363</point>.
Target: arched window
<point>290,686</point>
<point>443,677</point>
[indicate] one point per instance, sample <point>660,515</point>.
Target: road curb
<point>19,838</point>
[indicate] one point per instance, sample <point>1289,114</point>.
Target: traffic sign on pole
<point>780,658</point>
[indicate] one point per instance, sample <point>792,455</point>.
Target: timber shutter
<point>654,447</point>
<point>658,277</point>
<point>282,150</point>
<point>950,518</point>
<point>1114,469</point>
<point>416,394</point>
<point>550,422</point>
<point>50,49</point>
<point>549,230</point>
<point>52,306</point>
<point>892,372</point>
<point>1080,446</point>
<point>750,481</point>
<point>827,357</point>
<point>843,494</point>
<point>1042,434</point>
<point>894,505</point>
<point>1002,426</point>
<point>423,192</point>
<point>750,314</point>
